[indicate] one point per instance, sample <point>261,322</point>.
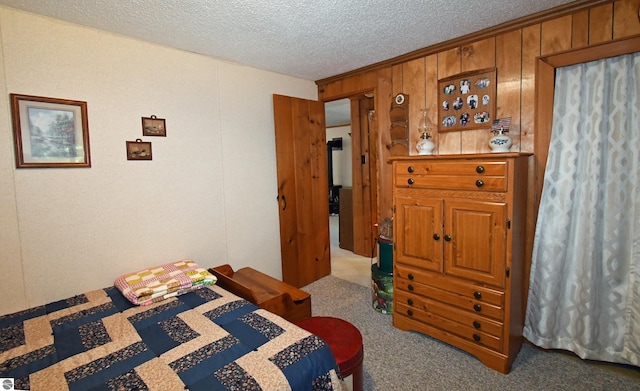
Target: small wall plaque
<point>139,150</point>
<point>154,126</point>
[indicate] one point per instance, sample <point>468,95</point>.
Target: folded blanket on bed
<point>164,281</point>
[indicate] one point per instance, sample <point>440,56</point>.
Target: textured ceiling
<point>310,39</point>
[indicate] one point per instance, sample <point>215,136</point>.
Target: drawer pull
<point>410,181</point>
<point>411,288</point>
<point>476,324</point>
<point>436,237</point>
<point>409,312</point>
<point>479,183</point>
<point>477,307</point>
<point>476,337</point>
<point>410,169</point>
<point>411,277</point>
<point>479,169</point>
<point>477,295</point>
<point>410,302</point>
<point>447,237</point>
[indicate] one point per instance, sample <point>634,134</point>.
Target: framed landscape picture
<point>50,132</point>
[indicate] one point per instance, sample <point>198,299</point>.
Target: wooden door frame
<point>364,135</point>
<point>364,202</point>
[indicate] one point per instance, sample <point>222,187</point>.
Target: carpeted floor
<point>405,361</point>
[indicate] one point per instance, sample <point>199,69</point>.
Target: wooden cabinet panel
<point>509,62</point>
<point>478,55</point>
<point>580,29</point>
<point>530,51</point>
<point>449,143</point>
<point>602,28</point>
<point>419,221</point>
<point>556,35</point>
<point>457,272</point>
<point>415,86</point>
<point>475,240</point>
<point>448,63</point>
<point>626,19</point>
<point>431,94</point>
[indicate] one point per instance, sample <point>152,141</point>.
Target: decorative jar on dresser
<point>459,251</point>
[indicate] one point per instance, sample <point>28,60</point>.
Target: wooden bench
<point>264,291</point>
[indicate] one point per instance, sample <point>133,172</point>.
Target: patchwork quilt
<point>164,281</point>
<point>207,339</point>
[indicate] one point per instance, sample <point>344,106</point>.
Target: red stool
<point>345,342</point>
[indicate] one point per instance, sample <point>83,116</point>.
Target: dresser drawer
<point>454,328</point>
<point>450,298</point>
<point>480,183</point>
<point>460,175</point>
<point>466,318</point>
<point>452,168</point>
<point>473,292</point>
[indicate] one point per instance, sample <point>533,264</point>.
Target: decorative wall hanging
<point>467,100</point>
<point>153,126</point>
<point>399,131</point>
<point>49,132</point>
<point>139,150</point>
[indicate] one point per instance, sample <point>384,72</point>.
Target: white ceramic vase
<point>500,142</point>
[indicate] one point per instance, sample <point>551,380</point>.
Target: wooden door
<point>418,225</point>
<point>475,240</point>
<point>364,179</point>
<point>303,186</point>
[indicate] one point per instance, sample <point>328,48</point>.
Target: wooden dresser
<point>458,251</point>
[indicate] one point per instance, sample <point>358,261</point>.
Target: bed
<point>206,339</point>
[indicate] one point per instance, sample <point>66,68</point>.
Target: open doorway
<point>347,122</point>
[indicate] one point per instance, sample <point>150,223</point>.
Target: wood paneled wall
<point>513,50</point>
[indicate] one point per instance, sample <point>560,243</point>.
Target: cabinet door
<point>475,240</point>
<point>418,242</point>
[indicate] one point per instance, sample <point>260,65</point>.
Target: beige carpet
<point>407,361</point>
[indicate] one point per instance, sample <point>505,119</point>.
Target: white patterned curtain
<point>584,293</point>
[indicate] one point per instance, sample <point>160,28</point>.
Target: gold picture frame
<point>50,132</point>
<point>467,101</point>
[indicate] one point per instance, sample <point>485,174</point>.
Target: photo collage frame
<point>467,101</point>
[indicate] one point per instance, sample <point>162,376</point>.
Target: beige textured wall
<point>209,193</point>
